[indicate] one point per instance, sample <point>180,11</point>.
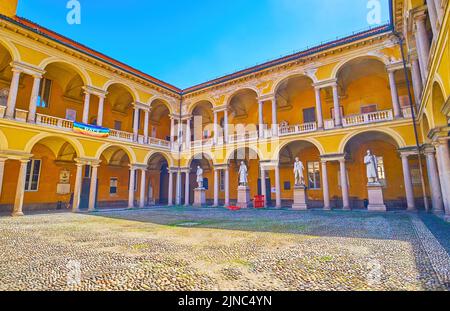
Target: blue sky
<point>186,42</point>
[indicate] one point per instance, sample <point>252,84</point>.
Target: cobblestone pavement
<point>215,249</point>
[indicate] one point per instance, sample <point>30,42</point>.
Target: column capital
<point>333,157</point>
<point>268,97</point>
<point>138,166</point>
<point>139,105</point>
<point>84,161</point>
<point>428,149</point>
<point>408,151</point>
<point>27,69</point>
<point>392,67</point>
<point>325,83</point>
<point>221,166</point>
<point>221,108</point>
<point>92,90</point>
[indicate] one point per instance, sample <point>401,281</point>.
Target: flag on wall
<point>90,130</point>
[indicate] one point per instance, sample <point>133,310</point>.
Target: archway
<point>243,113</point>
<point>390,170</point>
<point>438,102</point>
<point>205,162</point>
<point>160,122</point>
<point>5,74</point>
<point>202,127</point>
<point>119,111</point>
<point>309,154</point>
<point>158,179</point>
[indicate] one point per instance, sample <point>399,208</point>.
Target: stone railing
<point>407,113</point>
<point>159,142</point>
<point>329,124</point>
<point>298,129</point>
<point>247,136</point>
<point>121,135</point>
<point>206,142</point>
<point>42,119</point>
<point>368,118</point>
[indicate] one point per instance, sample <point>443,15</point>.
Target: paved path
<point>215,249</point>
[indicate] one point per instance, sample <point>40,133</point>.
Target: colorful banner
<point>90,130</point>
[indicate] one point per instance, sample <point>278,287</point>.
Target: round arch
<point>231,152</point>
<point>163,101</point>
<point>381,58</point>
<point>199,102</point>
<point>438,98</point>
<point>425,125</point>
<point>277,84</point>
<point>80,71</point>
<point>391,133</point>
<point>130,153</point>
<point>208,156</point>
<point>130,89</point>
<point>11,48</point>
<point>312,141</point>
<point>152,154</point>
<point>240,90</point>
<point>3,141</point>
<point>77,146</point>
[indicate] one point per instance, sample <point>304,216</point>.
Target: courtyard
<point>216,249</point>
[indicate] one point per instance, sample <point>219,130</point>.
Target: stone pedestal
<point>376,201</point>
<point>300,198</point>
<point>243,197</point>
<point>199,197</point>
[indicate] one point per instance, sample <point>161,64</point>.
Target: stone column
<point>186,189</point>
<point>422,66</point>
<point>77,187</point>
<point>278,186</point>
<point>432,13</point>
<point>433,179</point>
<point>443,157</point>
<point>188,133</point>
<point>2,173</point>
<point>394,95</point>
<point>274,117</point>
<point>146,120</point>
<point>319,109</point>
<point>216,128</point>
<point>136,123</point>
<point>227,186</point>
<point>344,185</point>
<point>142,188</point>
<point>263,186</point>
<point>416,80</point>
<point>337,106</point>
<point>225,126</point>
<point>34,98</point>
<point>216,187</point>
<point>261,119</point>
<point>170,191</point>
<point>408,182</point>
<point>101,104</point>
<point>20,190</point>
<point>87,101</point>
<point>326,190</point>
<point>93,190</point>
<point>178,189</point>
<point>12,97</point>
<point>172,129</point>
<point>131,186</point>
<point>424,45</point>
<point>438,4</point>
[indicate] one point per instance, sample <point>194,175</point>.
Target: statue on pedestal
<point>370,160</point>
<point>243,175</point>
<point>298,172</point>
<point>200,177</point>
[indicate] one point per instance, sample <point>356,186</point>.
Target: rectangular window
<point>313,175</point>
<point>32,176</point>
<point>44,93</point>
<point>287,185</point>
<point>117,125</point>
<point>368,109</point>
<point>309,115</point>
<point>222,181</point>
<point>113,185</point>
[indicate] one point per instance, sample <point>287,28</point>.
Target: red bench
<point>258,201</point>
<point>234,208</point>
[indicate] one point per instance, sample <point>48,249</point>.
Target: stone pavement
<point>215,249</point>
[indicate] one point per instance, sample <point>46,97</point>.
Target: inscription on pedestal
<point>300,198</point>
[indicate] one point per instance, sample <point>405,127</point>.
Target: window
<point>206,183</point>
<point>381,171</point>
<point>117,125</point>
<point>368,109</point>
<point>87,171</point>
<point>287,185</point>
<point>313,175</point>
<point>44,93</point>
<point>309,115</point>
<point>32,176</point>
<point>113,185</point>
<point>222,181</point>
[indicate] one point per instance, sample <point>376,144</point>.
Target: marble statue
<point>298,172</point>
<point>243,175</point>
<point>370,160</point>
<point>199,177</point>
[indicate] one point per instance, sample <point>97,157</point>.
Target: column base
<point>327,208</point>
<point>376,200</point>
<point>243,197</point>
<point>17,214</point>
<point>300,198</point>
<point>199,197</point>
